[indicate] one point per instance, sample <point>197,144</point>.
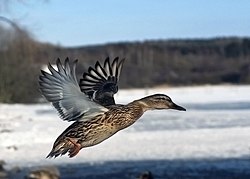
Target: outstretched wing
<point>62,90</point>
<point>100,82</point>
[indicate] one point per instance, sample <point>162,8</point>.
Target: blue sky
<point>79,22</point>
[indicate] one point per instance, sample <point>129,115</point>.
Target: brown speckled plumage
<point>102,119</point>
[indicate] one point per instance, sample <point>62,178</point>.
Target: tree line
<point>148,63</point>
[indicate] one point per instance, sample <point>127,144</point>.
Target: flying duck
<point>90,104</point>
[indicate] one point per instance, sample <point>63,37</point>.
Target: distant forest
<point>148,63</point>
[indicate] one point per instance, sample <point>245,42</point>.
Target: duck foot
<point>73,151</point>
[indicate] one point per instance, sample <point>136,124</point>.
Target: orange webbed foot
<point>73,151</point>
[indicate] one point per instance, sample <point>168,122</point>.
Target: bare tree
<point>17,70</point>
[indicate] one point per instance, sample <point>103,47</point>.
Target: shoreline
<point>192,168</point>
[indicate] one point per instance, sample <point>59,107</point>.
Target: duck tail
<point>64,145</point>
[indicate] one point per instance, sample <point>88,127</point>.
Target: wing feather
<point>60,87</point>
<point>101,82</point>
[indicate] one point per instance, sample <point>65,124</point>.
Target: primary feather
<point>101,82</point>
<point>60,87</point>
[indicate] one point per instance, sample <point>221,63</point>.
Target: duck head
<point>159,101</point>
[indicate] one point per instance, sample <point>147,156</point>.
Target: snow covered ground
<point>216,125</point>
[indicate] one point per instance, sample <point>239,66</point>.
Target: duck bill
<point>177,107</point>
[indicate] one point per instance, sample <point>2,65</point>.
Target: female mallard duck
<point>91,104</point>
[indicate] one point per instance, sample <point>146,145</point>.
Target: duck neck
<point>142,104</point>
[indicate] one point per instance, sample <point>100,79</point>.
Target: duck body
<point>81,134</point>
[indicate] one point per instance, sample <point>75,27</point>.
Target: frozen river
<point>211,136</point>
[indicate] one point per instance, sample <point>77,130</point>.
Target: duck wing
<point>60,87</point>
<point>101,82</point>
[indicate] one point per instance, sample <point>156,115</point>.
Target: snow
<point>215,125</point>
<point>197,94</point>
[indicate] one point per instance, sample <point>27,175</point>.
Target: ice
<point>198,94</point>
<point>215,125</point>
